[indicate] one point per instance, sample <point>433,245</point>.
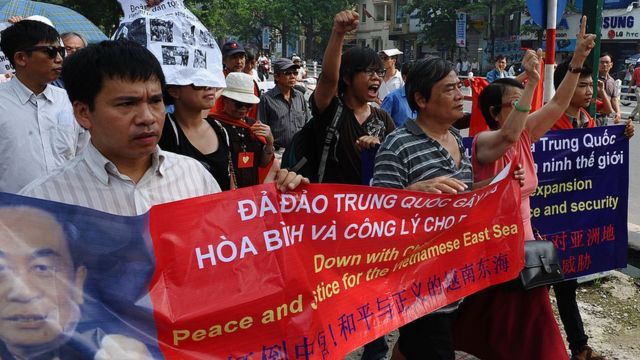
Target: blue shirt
<point>395,103</point>
<point>494,74</point>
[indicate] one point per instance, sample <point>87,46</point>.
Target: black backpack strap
<point>175,128</point>
<point>331,133</point>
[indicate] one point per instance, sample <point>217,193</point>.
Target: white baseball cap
<point>240,88</point>
<point>392,52</point>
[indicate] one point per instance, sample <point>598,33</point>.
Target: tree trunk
<point>310,43</point>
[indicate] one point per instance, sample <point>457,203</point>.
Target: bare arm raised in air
<point>327,87</point>
<point>542,120</point>
<point>492,145</point>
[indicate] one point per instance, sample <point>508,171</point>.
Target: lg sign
<point>617,22</point>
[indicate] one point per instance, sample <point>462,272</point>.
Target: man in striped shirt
<point>426,154</point>
<point>116,91</point>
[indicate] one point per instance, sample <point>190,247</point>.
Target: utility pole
<point>593,10</point>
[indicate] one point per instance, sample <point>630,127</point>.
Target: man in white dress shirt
<point>38,130</point>
<point>116,91</point>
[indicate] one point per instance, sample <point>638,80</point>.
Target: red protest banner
<point>254,273</point>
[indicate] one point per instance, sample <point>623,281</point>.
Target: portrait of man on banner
<point>59,297</point>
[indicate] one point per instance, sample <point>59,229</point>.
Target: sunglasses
<point>200,88</point>
<point>289,73</point>
<point>240,104</point>
<point>379,72</point>
<point>50,50</point>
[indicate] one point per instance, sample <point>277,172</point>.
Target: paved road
<point>634,185</point>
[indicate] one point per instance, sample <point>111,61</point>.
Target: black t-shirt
<point>217,163</point>
<point>243,143</point>
<point>343,164</point>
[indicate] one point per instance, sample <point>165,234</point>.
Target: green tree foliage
<point>439,17</point>
<point>241,18</point>
<point>105,14</point>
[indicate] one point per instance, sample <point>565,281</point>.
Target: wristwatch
<point>268,149</point>
<point>576,70</point>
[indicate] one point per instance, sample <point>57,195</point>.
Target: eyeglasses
<point>240,104</point>
<point>384,57</point>
<point>379,72</point>
<point>51,51</point>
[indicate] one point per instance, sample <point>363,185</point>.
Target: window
<point>364,14</point>
<point>401,14</point>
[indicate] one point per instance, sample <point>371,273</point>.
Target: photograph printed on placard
<point>134,31</point>
<point>200,59</point>
<point>188,35</point>
<point>161,30</point>
<point>175,55</point>
<point>206,39</point>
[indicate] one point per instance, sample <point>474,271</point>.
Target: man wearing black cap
<point>233,57</point>
<point>283,107</point>
<point>233,60</point>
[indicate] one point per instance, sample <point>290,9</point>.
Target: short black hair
<point>250,53</point>
<point>355,60</point>
<point>603,54</point>
<point>500,57</point>
<point>406,67</point>
<point>85,72</point>
<point>561,72</point>
<point>491,96</point>
<point>424,74</point>
<point>25,34</point>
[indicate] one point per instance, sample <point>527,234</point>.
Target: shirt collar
<point>24,93</point>
<point>276,91</point>
<point>101,167</point>
<point>584,119</point>
<point>413,128</point>
<point>606,77</point>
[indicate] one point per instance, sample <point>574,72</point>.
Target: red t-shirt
<point>565,122</point>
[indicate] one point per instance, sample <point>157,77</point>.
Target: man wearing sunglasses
<point>283,107</point>
<point>39,130</point>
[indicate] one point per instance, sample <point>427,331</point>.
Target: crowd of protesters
<point>94,132</point>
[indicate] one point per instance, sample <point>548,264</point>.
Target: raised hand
<point>584,42</point>
<point>531,65</point>
<point>346,21</point>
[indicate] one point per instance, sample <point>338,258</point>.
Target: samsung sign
<point>617,22</point>
<point>614,26</point>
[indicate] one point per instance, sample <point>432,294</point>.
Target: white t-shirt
<point>388,86</point>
